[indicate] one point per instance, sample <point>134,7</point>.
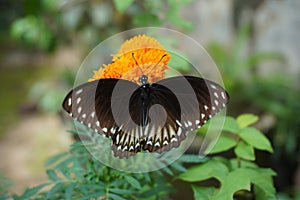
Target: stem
<point>238,161</point>
<point>107,184</point>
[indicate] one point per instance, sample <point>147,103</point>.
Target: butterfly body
<point>147,117</point>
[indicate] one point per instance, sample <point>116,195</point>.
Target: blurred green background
<point>254,43</point>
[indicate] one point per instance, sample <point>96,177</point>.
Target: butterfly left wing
<point>91,103</point>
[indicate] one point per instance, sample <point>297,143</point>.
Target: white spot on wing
<point>93,114</point>
<point>197,122</point>
<point>157,144</point>
<point>130,148</point>
<point>79,109</point>
<point>223,95</point>
<point>202,115</point>
<point>216,94</point>
<point>117,139</point>
<point>177,122</point>
<point>84,116</point>
<point>205,107</point>
<point>113,130</point>
<point>104,129</point>
<point>120,128</point>
<point>78,100</point>
<point>216,102</point>
<point>174,140</point>
<point>149,142</point>
<point>125,148</point>
<point>179,131</point>
<point>69,102</point>
<point>213,86</point>
<point>78,91</point>
<point>186,124</point>
<point>97,123</point>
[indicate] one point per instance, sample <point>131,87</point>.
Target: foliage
<point>49,23</point>
<point>4,185</point>
<point>280,96</point>
<point>273,95</point>
<point>237,65</point>
<point>237,174</point>
<point>78,175</point>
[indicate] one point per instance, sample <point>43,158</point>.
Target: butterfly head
<point>143,79</point>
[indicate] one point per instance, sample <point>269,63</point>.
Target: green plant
<point>78,175</point>
<point>275,95</point>
<point>238,174</point>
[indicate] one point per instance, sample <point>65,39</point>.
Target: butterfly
<point>147,117</point>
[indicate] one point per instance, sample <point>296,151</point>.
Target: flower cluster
<point>140,55</point>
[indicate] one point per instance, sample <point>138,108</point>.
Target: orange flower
<point>140,55</point>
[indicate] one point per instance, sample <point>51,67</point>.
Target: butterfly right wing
<point>188,103</point>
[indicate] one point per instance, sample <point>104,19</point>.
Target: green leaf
<point>69,191</point>
<point>121,191</point>
<point>236,180</point>
<point>93,195</point>
<point>177,166</point>
<point>52,175</point>
<point>231,125</point>
<point>192,158</point>
<point>262,178</point>
<point>55,159</point>
<point>256,138</point>
<point>224,143</point>
<point>167,170</point>
<point>245,151</point>
<point>116,197</point>
<point>203,193</point>
<point>122,5</point>
<point>260,194</point>
<point>133,182</point>
<point>211,169</point>
<point>246,120</point>
<point>51,193</point>
<point>32,191</point>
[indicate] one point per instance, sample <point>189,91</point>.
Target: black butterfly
<point>148,117</point>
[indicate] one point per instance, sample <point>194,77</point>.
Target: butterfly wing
<point>188,102</point>
<point>91,103</point>
<point>130,115</point>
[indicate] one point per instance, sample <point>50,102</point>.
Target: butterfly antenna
<point>137,63</point>
<point>157,63</point>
